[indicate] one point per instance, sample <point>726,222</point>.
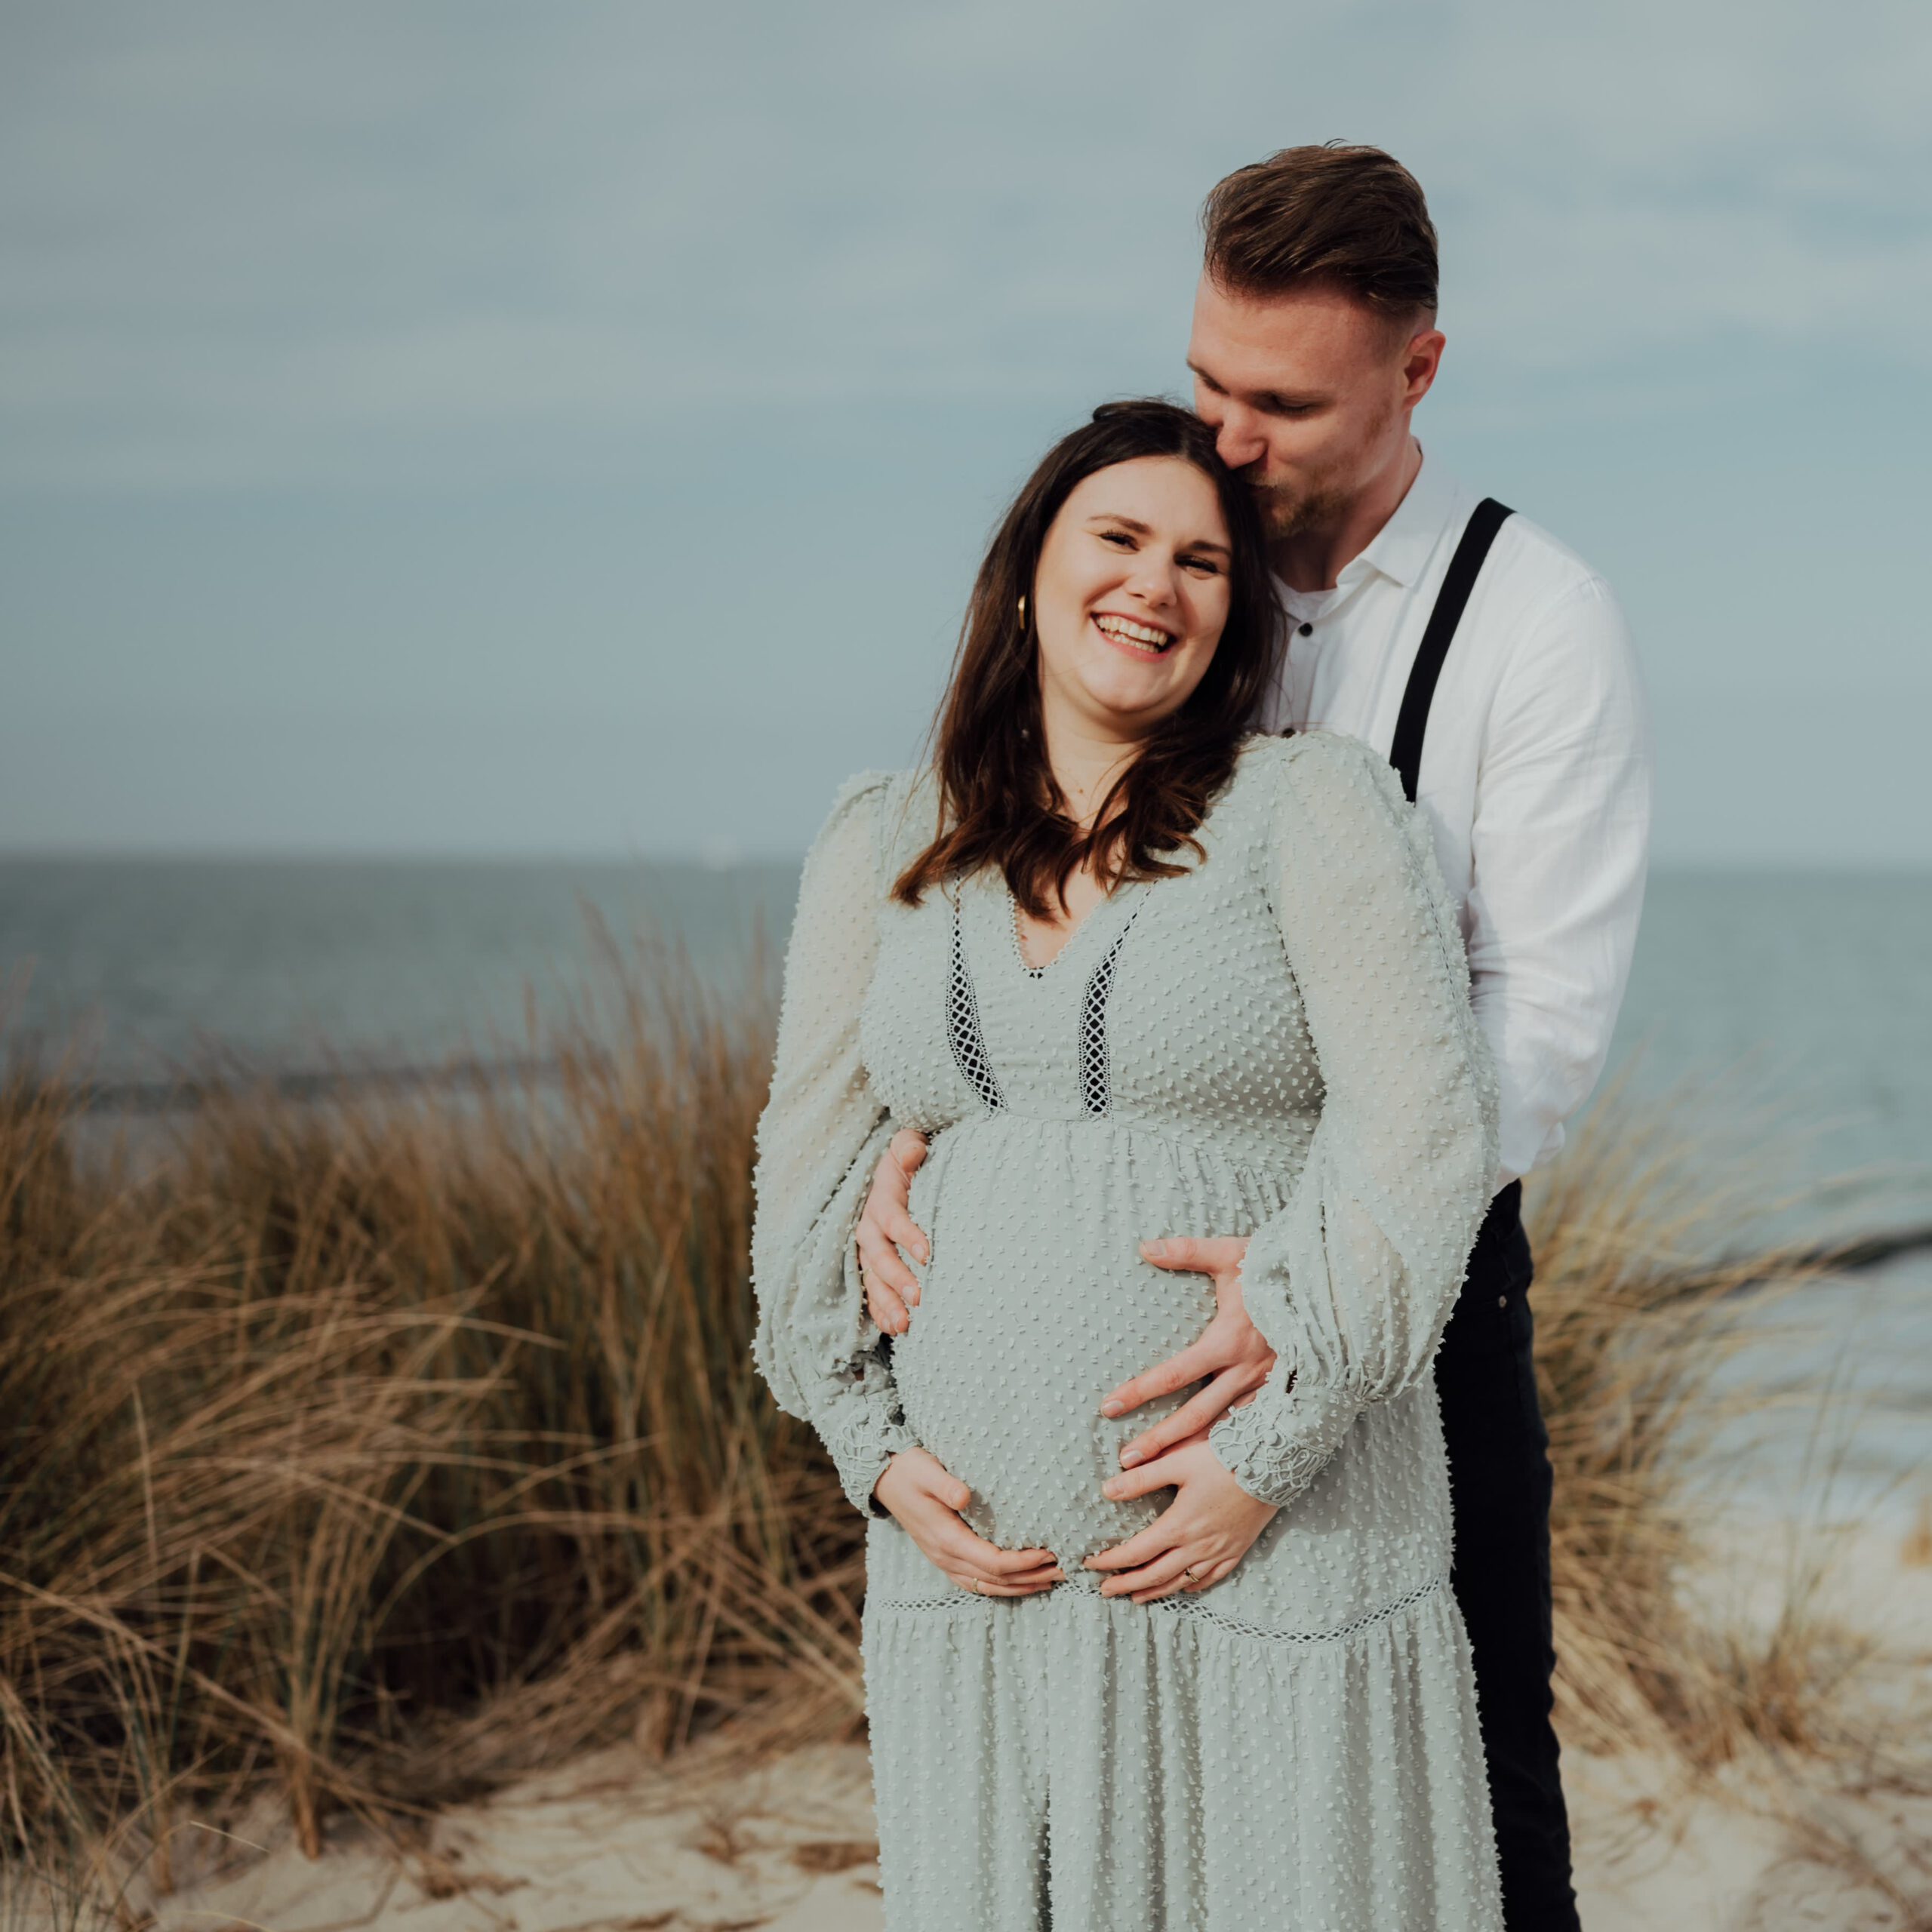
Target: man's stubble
<point>1323,502</point>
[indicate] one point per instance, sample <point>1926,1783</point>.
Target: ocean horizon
<point>1804,998</point>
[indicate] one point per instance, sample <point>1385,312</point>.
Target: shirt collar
<point>1400,549</point>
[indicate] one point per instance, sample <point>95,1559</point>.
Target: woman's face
<point>1131,595</point>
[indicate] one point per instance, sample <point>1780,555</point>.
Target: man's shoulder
<point>1536,572</point>
<point>1549,619</point>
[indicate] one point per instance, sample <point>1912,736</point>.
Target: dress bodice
<point>1171,1006</point>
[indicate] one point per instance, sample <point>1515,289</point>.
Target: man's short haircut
<point>1352,218</point>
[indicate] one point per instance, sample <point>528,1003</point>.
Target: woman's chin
<point>1133,698</point>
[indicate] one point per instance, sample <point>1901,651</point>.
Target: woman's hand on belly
<point>926,1500</point>
<point>1210,1526</point>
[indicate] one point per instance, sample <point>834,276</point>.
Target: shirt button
<point>1307,630</point>
<point>1503,1301</point>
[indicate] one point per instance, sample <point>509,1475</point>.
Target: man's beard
<point>1286,512</point>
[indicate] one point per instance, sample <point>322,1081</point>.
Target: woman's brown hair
<point>998,803</point>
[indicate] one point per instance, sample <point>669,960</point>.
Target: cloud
<point>241,244</point>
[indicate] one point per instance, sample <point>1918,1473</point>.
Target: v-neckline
<point>1121,891</point>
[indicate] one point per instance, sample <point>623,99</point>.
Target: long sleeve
<point>819,1137</point>
<point>1558,856</point>
<point>1353,1280</point>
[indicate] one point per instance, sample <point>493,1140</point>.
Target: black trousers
<point>1500,1481</point>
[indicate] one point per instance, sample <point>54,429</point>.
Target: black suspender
<point>1405,753</point>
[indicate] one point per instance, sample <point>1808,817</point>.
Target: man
<point>1521,731</point>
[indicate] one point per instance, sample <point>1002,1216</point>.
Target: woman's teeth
<point>1142,636</point>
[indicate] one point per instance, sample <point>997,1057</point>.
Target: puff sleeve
<point>819,1137</point>
<point>1353,1281</point>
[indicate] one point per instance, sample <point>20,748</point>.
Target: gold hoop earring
<point>1022,614</point>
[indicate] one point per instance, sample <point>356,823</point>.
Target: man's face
<point>1309,394</point>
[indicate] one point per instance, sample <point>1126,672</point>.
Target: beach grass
<point>363,1452</point>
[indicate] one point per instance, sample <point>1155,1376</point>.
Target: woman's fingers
<point>986,1586</point>
<point>967,1550</point>
<point>1206,1575</point>
<point>1164,1578</point>
<point>1142,1547</point>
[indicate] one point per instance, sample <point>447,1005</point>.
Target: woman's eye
<point>1117,537</point>
<point>1207,564</point>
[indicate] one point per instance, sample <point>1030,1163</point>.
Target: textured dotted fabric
<point>1277,1043</point>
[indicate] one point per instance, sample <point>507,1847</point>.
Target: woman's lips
<point>1130,634</point>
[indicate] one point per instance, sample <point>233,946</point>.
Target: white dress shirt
<point>1536,776</point>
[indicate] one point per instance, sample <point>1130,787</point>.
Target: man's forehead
<point>1258,341</point>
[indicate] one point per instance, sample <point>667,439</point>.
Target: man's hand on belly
<point>1231,1351</point>
<point>885,1227</point>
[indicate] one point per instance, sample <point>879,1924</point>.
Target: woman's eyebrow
<point>1140,529</point>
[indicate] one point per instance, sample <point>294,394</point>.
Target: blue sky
<point>471,427</point>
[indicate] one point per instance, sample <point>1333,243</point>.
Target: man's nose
<point>1238,440</point>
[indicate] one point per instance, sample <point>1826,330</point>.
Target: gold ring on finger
<point>973,1584</point>
<point>1189,1573</point>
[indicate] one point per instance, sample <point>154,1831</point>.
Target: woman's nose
<point>1153,584</point>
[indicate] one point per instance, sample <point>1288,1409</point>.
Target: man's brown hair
<point>1351,218</point>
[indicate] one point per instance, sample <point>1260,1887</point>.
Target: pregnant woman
<point>1127,966</point>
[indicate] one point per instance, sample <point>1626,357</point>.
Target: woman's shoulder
<point>881,805</point>
<point>1317,763</point>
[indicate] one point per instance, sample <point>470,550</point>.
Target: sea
<point>1793,1011</point>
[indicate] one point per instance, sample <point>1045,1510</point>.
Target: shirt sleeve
<point>1353,1281</point>
<point>1559,849</point>
<point>820,1135</point>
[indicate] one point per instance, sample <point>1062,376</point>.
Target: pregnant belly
<point>1036,1303</point>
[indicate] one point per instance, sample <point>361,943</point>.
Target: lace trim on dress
<point>1187,1605</point>
<point>1270,1446</point>
<point>963,1033</point>
<point>863,1428</point>
<point>1097,1074</point>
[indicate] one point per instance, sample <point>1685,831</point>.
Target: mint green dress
<point>1278,1043</point>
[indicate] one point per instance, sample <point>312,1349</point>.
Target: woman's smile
<point>1134,635</point>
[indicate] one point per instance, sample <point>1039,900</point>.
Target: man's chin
<point>1283,516</point>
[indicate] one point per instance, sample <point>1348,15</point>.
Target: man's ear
<point>1420,361</point>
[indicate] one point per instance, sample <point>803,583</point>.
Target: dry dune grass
<point>380,1450</point>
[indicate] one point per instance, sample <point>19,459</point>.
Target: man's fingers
<point>883,1305</point>
<point>1194,1255</point>
<point>1137,1481</point>
<point>877,1254</point>
<point>899,1227</point>
<point>1200,1412</point>
<point>1163,1379</point>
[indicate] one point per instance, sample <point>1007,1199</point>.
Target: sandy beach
<point>611,1840</point>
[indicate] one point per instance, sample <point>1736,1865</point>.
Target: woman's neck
<point>1085,760</point>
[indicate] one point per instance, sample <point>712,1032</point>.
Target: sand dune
<point>611,1841</point>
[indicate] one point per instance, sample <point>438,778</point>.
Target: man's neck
<point>1312,560</point>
